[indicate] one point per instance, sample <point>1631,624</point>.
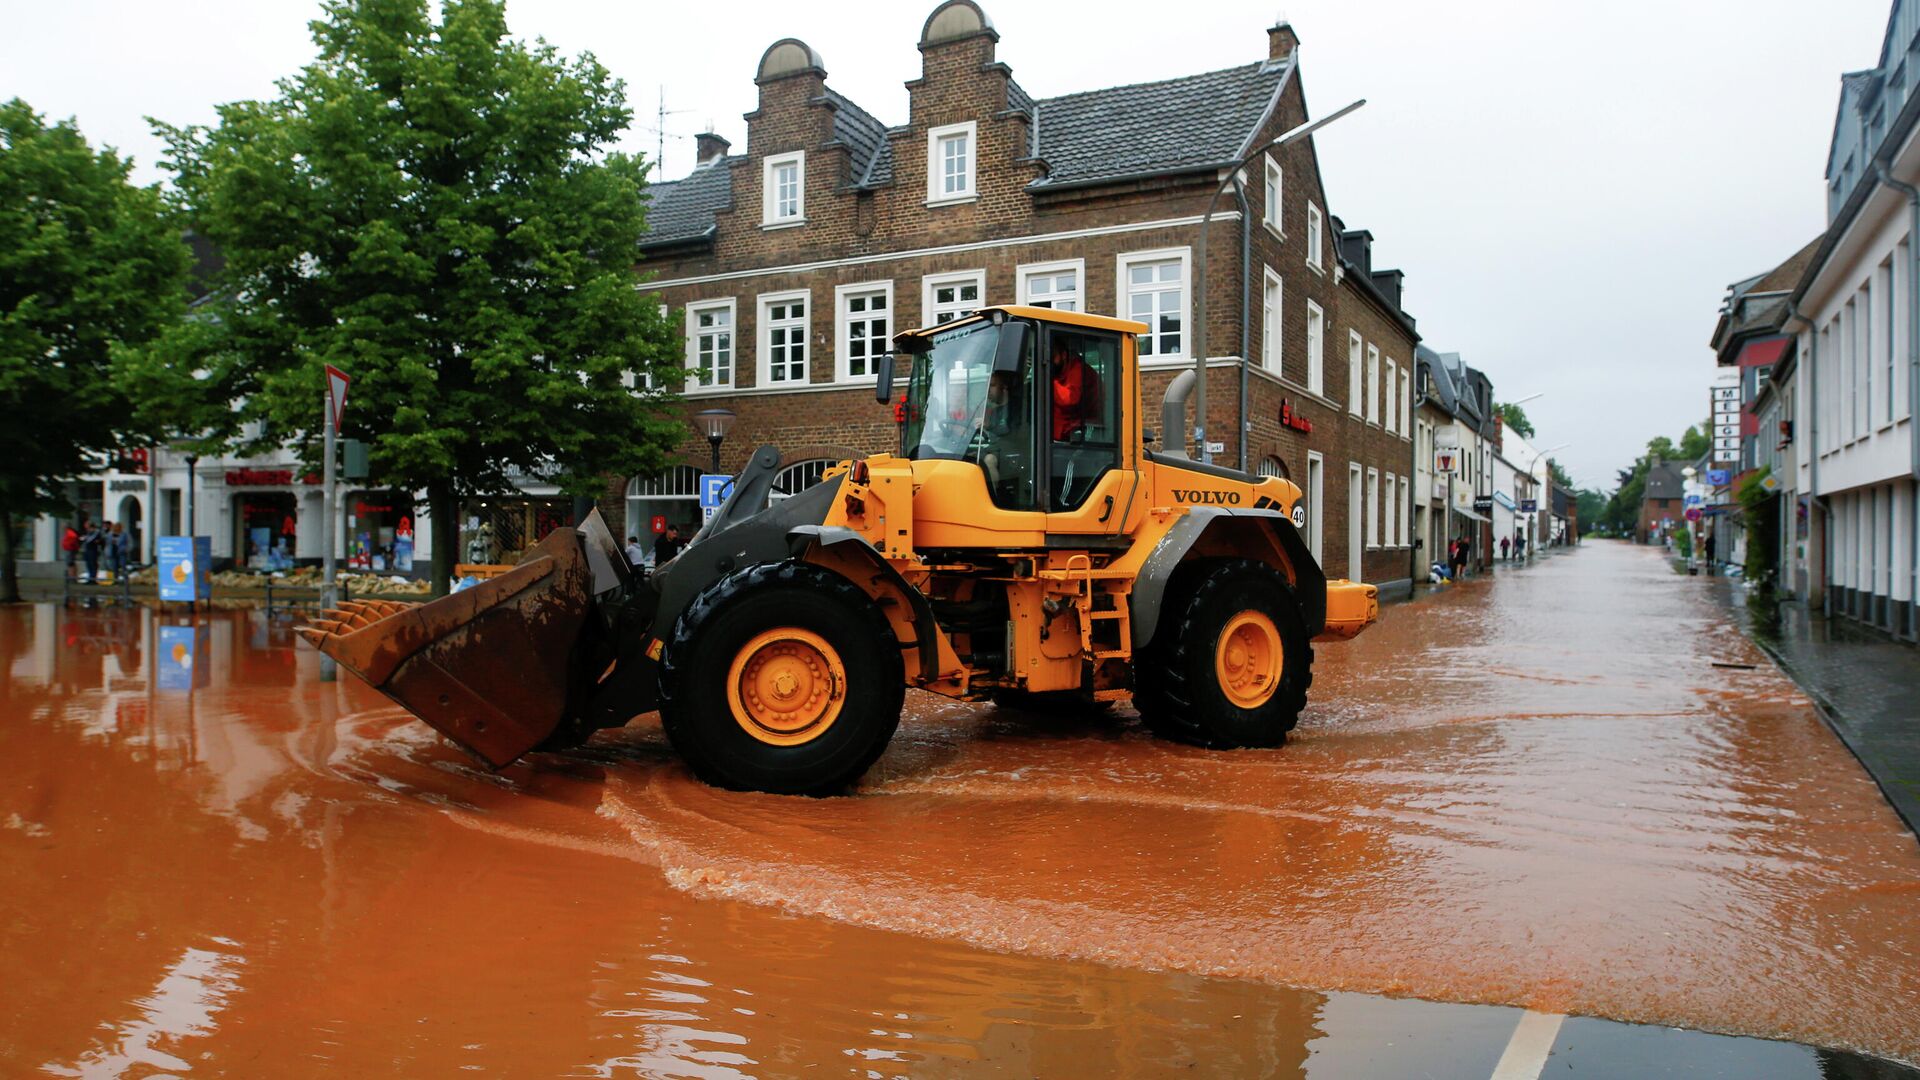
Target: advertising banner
<point>183,565</point>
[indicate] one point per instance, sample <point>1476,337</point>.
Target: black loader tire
<point>1176,687</point>
<point>728,615</point>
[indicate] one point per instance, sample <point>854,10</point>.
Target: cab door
<point>1089,468</point>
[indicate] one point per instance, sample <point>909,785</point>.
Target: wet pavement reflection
<point>1536,793</point>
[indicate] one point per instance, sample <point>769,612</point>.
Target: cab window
<point>1083,403</point>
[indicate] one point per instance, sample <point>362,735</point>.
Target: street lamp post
<point>715,423</point>
<point>1199,284</point>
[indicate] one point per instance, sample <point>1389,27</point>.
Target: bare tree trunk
<point>9,572</point>
<point>445,510</point>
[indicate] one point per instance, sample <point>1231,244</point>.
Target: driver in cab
<point>1076,393</point>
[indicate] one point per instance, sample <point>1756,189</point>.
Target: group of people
<point>666,547</point>
<point>1460,554</point>
<point>1513,547</point>
<point>90,542</point>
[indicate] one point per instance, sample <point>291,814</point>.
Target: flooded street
<point>1537,793</point>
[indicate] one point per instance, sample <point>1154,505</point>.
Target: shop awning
<point>1763,351</point>
<point>1471,514</point>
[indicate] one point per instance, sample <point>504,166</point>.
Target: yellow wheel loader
<point>1023,544</point>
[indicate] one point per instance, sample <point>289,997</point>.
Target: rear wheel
<point>1230,663</point>
<point>781,678</point>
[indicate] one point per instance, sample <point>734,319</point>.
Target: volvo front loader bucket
<point>499,666</point>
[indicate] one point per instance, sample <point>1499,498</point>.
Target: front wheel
<point>1230,663</point>
<point>782,678</point>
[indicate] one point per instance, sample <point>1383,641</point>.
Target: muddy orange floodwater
<point>1534,792</point>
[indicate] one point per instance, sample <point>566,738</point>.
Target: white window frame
<point>1355,372</point>
<point>937,194</point>
<point>693,311</point>
<point>1406,514</point>
<point>930,313</point>
<point>1371,509</point>
<point>1316,496</point>
<point>1024,274</point>
<point>1406,401</point>
<point>1123,295</point>
<point>770,218</point>
<point>1373,383</point>
<point>1272,206</point>
<point>1272,303</point>
<point>763,338</point>
<point>1316,238</point>
<point>843,320</point>
<point>1390,404</point>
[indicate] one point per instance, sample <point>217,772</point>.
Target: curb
<point>1829,715</point>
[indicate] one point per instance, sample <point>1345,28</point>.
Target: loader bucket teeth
<point>492,667</point>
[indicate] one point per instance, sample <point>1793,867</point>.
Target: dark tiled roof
<point>1439,379</point>
<point>869,152</point>
<point>1189,122</point>
<point>683,209</point>
<point>1664,481</point>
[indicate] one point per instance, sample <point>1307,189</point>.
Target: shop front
<point>380,531</point>
<point>266,527</point>
<point>499,529</point>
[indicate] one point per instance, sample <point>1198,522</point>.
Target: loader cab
<point>1038,405</point>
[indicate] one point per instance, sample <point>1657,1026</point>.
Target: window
<point>1391,406</point>
<point>1316,349</point>
<point>1373,384</point>
<point>783,339</point>
<point>1353,372</point>
<point>1316,484</point>
<point>1406,401</point>
<point>1373,508</point>
<point>865,315</point>
<point>1886,346</point>
<point>1404,518</point>
<point>952,296</point>
<point>1354,514</point>
<point>1053,285</point>
<point>1153,290</point>
<point>710,344</point>
<point>1275,182</point>
<point>1270,324</point>
<point>950,158</point>
<point>1315,237</point>
<point>784,189</point>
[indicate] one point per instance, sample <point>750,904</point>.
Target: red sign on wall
<point>1289,418</point>
<point>659,523</point>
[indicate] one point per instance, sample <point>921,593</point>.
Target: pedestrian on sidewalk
<point>91,542</point>
<point>1457,558</point>
<point>70,544</point>
<point>1505,544</point>
<point>117,550</point>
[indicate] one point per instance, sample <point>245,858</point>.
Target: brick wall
<point>891,235</point>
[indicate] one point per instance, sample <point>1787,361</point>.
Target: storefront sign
<point>266,477</point>
<point>126,485</point>
<point>1483,503</point>
<point>183,564</point>
<point>1529,506</point>
<point>1291,419</point>
<point>1445,459</point>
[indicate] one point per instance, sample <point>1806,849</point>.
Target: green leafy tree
<point>431,207</point>
<point>1696,443</point>
<point>88,264</point>
<point>1591,505</point>
<point>1516,418</point>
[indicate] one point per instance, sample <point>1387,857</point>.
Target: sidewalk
<point>1866,686</point>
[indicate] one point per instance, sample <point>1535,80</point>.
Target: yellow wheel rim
<point>1249,659</point>
<point>786,686</point>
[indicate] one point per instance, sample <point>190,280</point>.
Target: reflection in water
<point>194,989</point>
<point>1538,793</point>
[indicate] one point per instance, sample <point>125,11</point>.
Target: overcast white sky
<point>1568,186</point>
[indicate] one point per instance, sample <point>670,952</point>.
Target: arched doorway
<point>671,498</point>
<point>130,522</point>
<point>799,476</point>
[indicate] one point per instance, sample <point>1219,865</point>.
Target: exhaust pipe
<point>1173,414</point>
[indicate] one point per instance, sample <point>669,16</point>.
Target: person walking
<point>1505,545</point>
<point>70,544</point>
<point>117,550</point>
<point>90,543</point>
<point>1457,558</point>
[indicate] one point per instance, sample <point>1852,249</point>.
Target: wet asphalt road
<point>1527,828</point>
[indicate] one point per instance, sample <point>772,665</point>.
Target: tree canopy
<point>1622,512</point>
<point>1516,418</point>
<point>89,264</point>
<point>432,207</point>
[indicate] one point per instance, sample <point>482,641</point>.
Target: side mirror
<point>883,389</point>
<point>1146,435</point>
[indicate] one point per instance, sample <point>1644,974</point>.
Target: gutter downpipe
<point>1246,309</point>
<point>1913,378</point>
<point>1200,290</point>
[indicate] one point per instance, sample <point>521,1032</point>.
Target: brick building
<point>793,263</point>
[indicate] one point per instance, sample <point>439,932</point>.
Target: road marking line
<point>1526,1055</point>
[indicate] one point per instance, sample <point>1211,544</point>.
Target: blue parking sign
<point>714,489</point>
